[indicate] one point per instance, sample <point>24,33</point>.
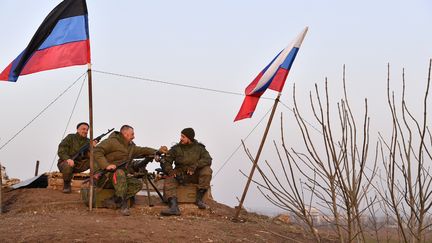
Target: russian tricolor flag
<point>61,40</point>
<point>273,76</point>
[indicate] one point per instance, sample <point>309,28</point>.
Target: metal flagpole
<point>90,93</point>
<point>237,213</point>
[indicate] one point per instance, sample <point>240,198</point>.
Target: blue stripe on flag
<point>287,63</point>
<point>67,30</point>
<point>12,76</point>
<point>264,87</point>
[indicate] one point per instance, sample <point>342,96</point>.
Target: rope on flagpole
<point>175,84</point>
<point>238,147</point>
<point>43,110</point>
<point>70,118</point>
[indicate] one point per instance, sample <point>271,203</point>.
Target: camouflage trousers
<point>124,186</point>
<point>201,176</point>
<point>67,170</point>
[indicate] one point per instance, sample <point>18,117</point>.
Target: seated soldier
<point>113,154</point>
<point>192,165</point>
<point>67,149</point>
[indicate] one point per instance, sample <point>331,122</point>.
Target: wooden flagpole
<point>237,213</point>
<point>90,93</point>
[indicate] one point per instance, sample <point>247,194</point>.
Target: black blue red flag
<point>61,40</point>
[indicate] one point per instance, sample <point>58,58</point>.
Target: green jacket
<point>115,150</point>
<point>70,145</point>
<point>186,156</point>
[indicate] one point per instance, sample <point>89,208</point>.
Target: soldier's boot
<point>125,208</point>
<point>173,209</point>
<point>113,202</point>
<point>199,198</point>
<point>67,187</point>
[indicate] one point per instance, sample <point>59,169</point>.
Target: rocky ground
<point>46,215</point>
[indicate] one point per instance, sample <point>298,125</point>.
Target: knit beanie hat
<point>82,123</point>
<point>189,133</point>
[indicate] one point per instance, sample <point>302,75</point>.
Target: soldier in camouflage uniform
<point>192,165</point>
<point>111,153</point>
<point>68,147</point>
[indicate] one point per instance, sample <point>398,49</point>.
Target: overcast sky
<point>219,45</point>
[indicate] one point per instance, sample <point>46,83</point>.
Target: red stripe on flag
<point>248,107</point>
<point>5,74</point>
<point>251,86</point>
<point>279,80</point>
<point>70,54</point>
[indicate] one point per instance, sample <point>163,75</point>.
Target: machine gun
<point>140,171</point>
<point>86,147</point>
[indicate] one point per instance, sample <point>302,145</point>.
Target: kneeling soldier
<point>192,165</point>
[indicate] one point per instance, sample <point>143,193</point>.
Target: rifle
<point>100,173</point>
<point>86,147</point>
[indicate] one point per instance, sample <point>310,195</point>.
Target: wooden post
<point>237,213</point>
<point>37,168</point>
<point>90,93</point>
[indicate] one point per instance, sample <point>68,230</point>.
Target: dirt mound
<point>48,215</point>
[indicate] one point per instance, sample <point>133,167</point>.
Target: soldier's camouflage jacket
<point>186,156</point>
<point>115,150</point>
<point>70,145</point>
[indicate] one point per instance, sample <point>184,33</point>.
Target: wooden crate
<point>187,193</point>
<point>99,195</point>
<point>55,181</point>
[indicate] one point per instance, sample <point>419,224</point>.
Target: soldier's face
<point>184,139</point>
<point>83,130</point>
<point>128,135</point>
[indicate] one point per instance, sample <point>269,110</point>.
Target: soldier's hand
<point>163,149</point>
<point>95,142</point>
<point>70,162</point>
<point>111,167</point>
